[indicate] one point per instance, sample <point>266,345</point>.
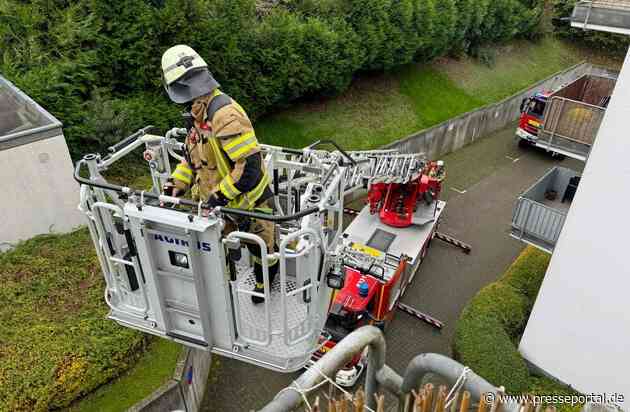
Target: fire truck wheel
<point>558,156</point>
<point>522,143</point>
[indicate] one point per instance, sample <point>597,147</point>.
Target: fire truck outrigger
<point>167,269</point>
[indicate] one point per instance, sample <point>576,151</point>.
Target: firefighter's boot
<point>260,286</point>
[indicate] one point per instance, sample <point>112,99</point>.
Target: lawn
<point>153,369</point>
<point>380,108</point>
<point>371,113</point>
<point>519,64</point>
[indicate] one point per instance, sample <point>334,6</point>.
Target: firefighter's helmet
<point>185,74</point>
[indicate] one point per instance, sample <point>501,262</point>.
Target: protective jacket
<point>223,155</point>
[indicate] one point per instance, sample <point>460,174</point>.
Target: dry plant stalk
<point>359,400</point>
<point>454,402</point>
<point>342,404</point>
<point>463,407</point>
<point>428,402</point>
<point>441,399</point>
<point>316,405</point>
<point>418,398</point>
<point>380,402</point>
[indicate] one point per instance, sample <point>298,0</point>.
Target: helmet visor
<point>193,84</point>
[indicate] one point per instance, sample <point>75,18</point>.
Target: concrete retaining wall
<point>185,390</point>
<point>459,131</point>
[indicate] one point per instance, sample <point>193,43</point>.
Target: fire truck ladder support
<point>465,247</point>
<point>379,375</point>
<point>421,315</point>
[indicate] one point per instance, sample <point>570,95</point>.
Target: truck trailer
<point>565,121</point>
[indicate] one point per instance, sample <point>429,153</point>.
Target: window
<point>536,108</point>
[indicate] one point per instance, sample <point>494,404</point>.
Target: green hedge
<point>56,343</point>
<point>96,65</point>
<point>490,326</point>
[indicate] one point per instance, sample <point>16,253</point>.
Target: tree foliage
<point>91,62</point>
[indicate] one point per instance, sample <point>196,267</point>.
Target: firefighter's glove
<point>215,199</point>
<point>235,254</point>
<point>169,188</point>
<point>244,224</point>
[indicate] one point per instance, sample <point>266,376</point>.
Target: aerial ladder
<point>167,268</point>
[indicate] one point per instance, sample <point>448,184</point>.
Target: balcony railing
<point>541,210</point>
<point>603,15</point>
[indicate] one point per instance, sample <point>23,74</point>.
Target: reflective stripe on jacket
<point>227,186</point>
<point>224,148</point>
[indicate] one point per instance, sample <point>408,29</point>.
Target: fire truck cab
<point>532,117</point>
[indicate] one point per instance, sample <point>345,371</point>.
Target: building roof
<point>21,119</point>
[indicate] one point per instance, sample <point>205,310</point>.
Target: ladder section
<point>384,167</point>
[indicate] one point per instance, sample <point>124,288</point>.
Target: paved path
<point>447,280</point>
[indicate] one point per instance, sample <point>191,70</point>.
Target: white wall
<point>39,194</point>
<point>579,330</point>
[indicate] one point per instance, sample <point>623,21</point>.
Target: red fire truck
<point>565,121</point>
<point>532,112</point>
<point>390,238</point>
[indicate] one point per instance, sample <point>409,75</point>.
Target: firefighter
<point>224,165</point>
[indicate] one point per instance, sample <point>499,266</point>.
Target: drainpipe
<point>289,398</point>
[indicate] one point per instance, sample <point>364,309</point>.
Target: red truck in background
<point>565,121</point>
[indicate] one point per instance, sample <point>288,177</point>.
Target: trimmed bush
<point>490,326</point>
<point>484,334</point>
<point>81,59</point>
<point>56,343</point>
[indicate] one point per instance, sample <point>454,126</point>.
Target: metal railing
<point>570,126</point>
<point>602,15</point>
<point>541,210</point>
<point>535,222</point>
<point>609,4</point>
